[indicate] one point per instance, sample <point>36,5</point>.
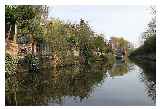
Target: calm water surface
<point>124,83</point>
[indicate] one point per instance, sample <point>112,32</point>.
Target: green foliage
<point>87,54</point>
<point>28,19</point>
<point>148,47</point>
<point>61,38</point>
<point>10,65</point>
<point>31,59</point>
<point>150,44</point>
<point>56,38</point>
<point>99,44</point>
<point>109,58</point>
<point>85,33</point>
<point>10,14</point>
<point>10,73</point>
<point>149,37</point>
<point>64,37</point>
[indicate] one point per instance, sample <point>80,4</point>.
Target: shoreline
<point>148,57</point>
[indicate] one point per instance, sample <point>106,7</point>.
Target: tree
<point>119,42</point>
<point>84,35</point>
<point>28,18</point>
<point>149,38</point>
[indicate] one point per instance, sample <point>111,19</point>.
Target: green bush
<point>148,47</point>
<point>10,65</point>
<point>10,73</point>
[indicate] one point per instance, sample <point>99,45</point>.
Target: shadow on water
<point>50,86</point>
<point>148,76</point>
<point>54,84</point>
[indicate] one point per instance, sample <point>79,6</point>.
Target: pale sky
<point>126,21</point>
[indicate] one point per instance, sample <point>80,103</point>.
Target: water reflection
<point>50,86</point>
<point>54,84</point>
<point>119,68</point>
<point>148,76</point>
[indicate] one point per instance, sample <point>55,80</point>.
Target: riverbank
<point>149,57</point>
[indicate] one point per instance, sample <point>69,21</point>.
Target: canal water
<point>123,83</point>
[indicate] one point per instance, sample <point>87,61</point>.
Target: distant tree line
<point>61,38</point>
<point>149,36</point>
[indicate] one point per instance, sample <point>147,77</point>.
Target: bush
<point>148,47</point>
<point>10,73</point>
<point>10,65</point>
<point>33,62</point>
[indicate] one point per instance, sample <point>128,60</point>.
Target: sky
<point>120,21</point>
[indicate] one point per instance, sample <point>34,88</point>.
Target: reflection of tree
<point>148,76</point>
<point>150,88</point>
<point>53,85</point>
<point>119,69</point>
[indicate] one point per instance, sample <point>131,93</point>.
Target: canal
<point>123,83</point>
